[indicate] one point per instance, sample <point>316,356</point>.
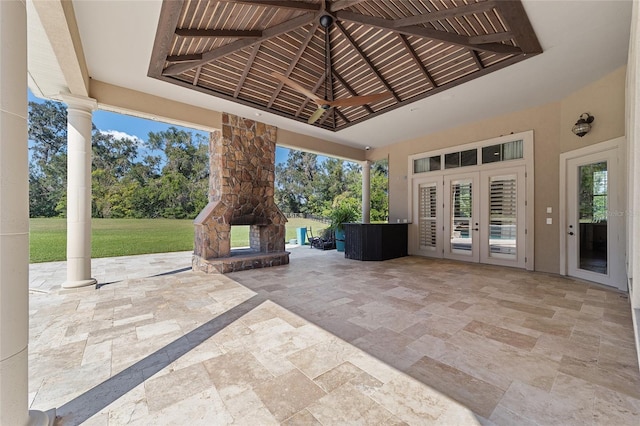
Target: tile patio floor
<point>326,340</point>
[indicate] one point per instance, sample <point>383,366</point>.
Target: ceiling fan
<point>323,103</point>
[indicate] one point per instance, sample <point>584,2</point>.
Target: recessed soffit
<point>410,48</point>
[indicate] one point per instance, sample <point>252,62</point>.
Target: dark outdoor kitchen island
<point>375,241</point>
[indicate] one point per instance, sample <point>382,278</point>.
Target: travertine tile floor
<point>326,340</point>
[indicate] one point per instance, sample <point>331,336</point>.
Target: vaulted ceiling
<point>407,49</point>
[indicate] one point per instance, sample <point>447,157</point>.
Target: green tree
<point>380,191</point>
<point>182,189</point>
<point>47,127</point>
<point>296,188</point>
<point>113,162</point>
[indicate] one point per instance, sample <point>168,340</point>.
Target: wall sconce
<point>583,125</point>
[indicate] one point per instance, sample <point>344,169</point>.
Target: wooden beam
<point>168,21</point>
<point>293,62</point>
<point>314,90</point>
<point>416,60</point>
<point>344,117</point>
<point>187,32</point>
<point>184,58</point>
<point>518,23</point>
<point>418,31</point>
<point>232,47</point>
<point>329,64</point>
<point>468,77</point>
<point>445,14</point>
<point>343,4</point>
<point>282,4</point>
<point>246,70</point>
<point>491,38</point>
<point>476,59</point>
<point>366,60</point>
<point>350,90</point>
<point>197,76</point>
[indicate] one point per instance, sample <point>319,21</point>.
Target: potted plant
<point>342,213</point>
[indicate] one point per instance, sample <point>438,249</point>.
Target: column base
<point>40,418</point>
<point>80,283</point>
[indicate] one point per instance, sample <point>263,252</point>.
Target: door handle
<point>571,233</point>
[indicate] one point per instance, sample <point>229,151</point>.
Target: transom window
<point>471,157</point>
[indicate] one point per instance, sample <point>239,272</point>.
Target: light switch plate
<point>549,221</point>
<point>549,210</point>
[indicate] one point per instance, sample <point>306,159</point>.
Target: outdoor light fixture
<point>583,125</point>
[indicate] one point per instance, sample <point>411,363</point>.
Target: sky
<point>121,125</point>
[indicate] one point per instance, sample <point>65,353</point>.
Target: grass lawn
<point>123,237</point>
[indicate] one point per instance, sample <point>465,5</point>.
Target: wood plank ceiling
<point>411,48</point>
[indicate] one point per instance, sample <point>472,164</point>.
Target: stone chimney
<point>241,188</point>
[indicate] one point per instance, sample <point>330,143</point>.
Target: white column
<point>79,113</point>
<point>14,219</point>
<point>366,191</point>
<point>633,135</point>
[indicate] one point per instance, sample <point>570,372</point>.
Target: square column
<point>366,191</point>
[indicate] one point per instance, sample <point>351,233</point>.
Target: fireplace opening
<point>239,237</point>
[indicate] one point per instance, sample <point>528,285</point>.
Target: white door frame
<point>450,252</point>
<point>435,181</point>
<point>486,256</point>
<point>415,178</point>
<point>617,205</point>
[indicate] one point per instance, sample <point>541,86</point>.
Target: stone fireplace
<point>241,187</point>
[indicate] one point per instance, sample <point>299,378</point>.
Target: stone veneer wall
<point>241,188</point>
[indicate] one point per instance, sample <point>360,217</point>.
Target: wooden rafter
<point>518,23</point>
<point>418,31</point>
<point>228,48</point>
<point>350,89</point>
<point>246,70</point>
<point>197,76</point>
<point>444,14</point>
<point>225,50</point>
<point>303,105</point>
<point>343,4</point>
<point>282,4</point>
<point>366,60</point>
<point>188,32</point>
<point>476,59</point>
<point>416,60</point>
<point>185,58</point>
<point>341,114</point>
<point>169,18</point>
<point>329,63</point>
<point>294,62</point>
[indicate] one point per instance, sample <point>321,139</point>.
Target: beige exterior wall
<point>300,142</point>
<point>551,124</point>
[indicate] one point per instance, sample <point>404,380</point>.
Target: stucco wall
<point>551,124</point>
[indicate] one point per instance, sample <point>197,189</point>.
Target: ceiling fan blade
<point>316,115</point>
<point>361,100</point>
<point>297,87</point>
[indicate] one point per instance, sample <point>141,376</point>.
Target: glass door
<point>462,221</point>
<point>428,210</point>
<point>590,246</point>
<point>502,230</point>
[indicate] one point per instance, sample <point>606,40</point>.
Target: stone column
<point>14,219</point>
<point>366,191</point>
<point>79,113</point>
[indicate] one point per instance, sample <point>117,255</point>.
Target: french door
<point>475,216</point>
